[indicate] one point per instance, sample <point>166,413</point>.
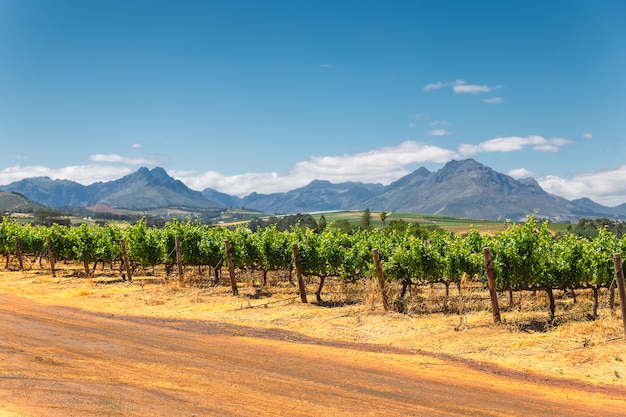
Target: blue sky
<point>266,96</point>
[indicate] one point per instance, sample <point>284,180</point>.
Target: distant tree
<point>321,223</point>
<point>299,220</point>
<point>153,221</point>
<point>400,226</point>
<point>48,217</point>
<point>366,219</point>
<point>383,216</point>
<point>285,223</point>
<point>342,225</point>
<point>589,227</point>
<point>256,224</point>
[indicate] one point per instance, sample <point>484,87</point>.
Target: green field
<point>427,220</point>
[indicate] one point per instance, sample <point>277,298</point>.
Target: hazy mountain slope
<point>222,199</point>
<point>142,190</point>
<point>51,193</point>
<point>461,188</point>
<point>400,193</point>
<point>149,189</point>
<point>584,206</point>
<point>316,196</point>
<point>469,189</point>
<point>16,203</point>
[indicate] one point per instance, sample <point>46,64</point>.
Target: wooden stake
<point>179,262</point>
<point>617,265</point>
<point>231,267</point>
<point>18,252</point>
<point>50,257</point>
<point>381,278</point>
<point>126,261</point>
<point>491,281</point>
<point>297,261</point>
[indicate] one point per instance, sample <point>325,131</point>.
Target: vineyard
<point>524,258</point>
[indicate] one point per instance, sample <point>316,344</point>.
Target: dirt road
<point>61,361</point>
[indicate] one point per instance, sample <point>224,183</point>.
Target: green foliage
<point>285,223</point>
<point>462,255</point>
<point>342,225</point>
<point>48,217</point>
<point>520,254</point>
<point>85,244</point>
<point>144,245</point>
<point>8,230</point>
<point>589,228</point>
<point>274,248</point>
<point>246,252</point>
<point>402,227</point>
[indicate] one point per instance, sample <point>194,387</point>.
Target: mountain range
<point>464,188</point>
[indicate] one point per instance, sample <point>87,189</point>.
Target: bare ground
<point>153,348</point>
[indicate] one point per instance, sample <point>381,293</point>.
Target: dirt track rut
<point>61,361</point>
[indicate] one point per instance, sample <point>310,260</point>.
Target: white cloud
<point>587,135</point>
<point>117,158</point>
<point>326,65</point>
<point>514,143</point>
<point>600,186</point>
<point>460,87</point>
<point>182,172</point>
<point>135,145</point>
<point>241,184</point>
<point>493,100</point>
<point>520,173</point>
<point>434,86</point>
<point>83,174</point>
<point>439,123</point>
<point>382,165</point>
<point>439,132</point>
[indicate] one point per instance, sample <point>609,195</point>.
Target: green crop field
<point>427,220</point>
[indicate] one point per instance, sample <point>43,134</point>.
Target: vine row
<point>524,257</point>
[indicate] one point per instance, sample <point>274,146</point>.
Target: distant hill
<point>464,188</point>
<point>16,203</point>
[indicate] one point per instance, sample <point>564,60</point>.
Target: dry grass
<point>460,325</point>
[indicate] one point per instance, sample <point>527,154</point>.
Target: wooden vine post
<point>179,262</point>
<point>491,282</point>
<point>18,252</point>
<point>381,278</point>
<point>298,262</point>
<point>231,267</point>
<point>50,257</point>
<point>126,261</point>
<point>619,276</point>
